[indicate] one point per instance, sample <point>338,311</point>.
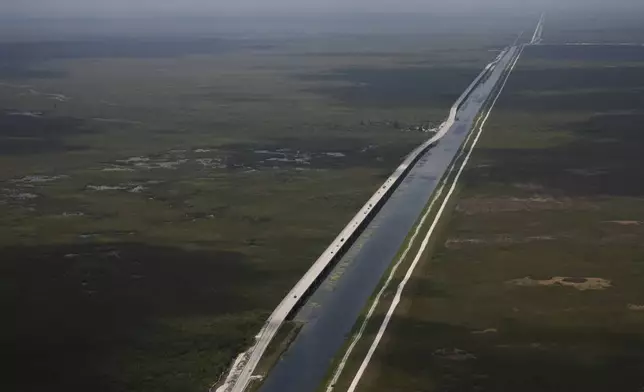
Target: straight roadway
<point>333,309</point>
<point>242,370</point>
<point>538,32</point>
<point>475,134</point>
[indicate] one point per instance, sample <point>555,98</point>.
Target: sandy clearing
<point>500,239</point>
<point>581,284</point>
<point>485,331</point>
<point>626,222</point>
<point>479,205</point>
<point>453,354</point>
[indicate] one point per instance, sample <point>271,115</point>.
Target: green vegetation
<point>156,202</point>
<point>537,282</point>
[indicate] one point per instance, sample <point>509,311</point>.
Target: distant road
<point>538,32</point>
<point>512,58</point>
<point>330,314</point>
<point>244,366</point>
<point>242,371</point>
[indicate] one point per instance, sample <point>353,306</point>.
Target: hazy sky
<point>109,8</point>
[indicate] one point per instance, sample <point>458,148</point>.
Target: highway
<point>538,32</point>
<point>242,370</point>
<point>515,53</point>
<point>334,308</point>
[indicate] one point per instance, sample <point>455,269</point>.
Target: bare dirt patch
<point>581,284</point>
<point>479,205</point>
<point>626,222</point>
<point>529,186</point>
<point>500,239</point>
<point>485,331</point>
<point>586,172</point>
<point>458,242</point>
<point>453,354</point>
